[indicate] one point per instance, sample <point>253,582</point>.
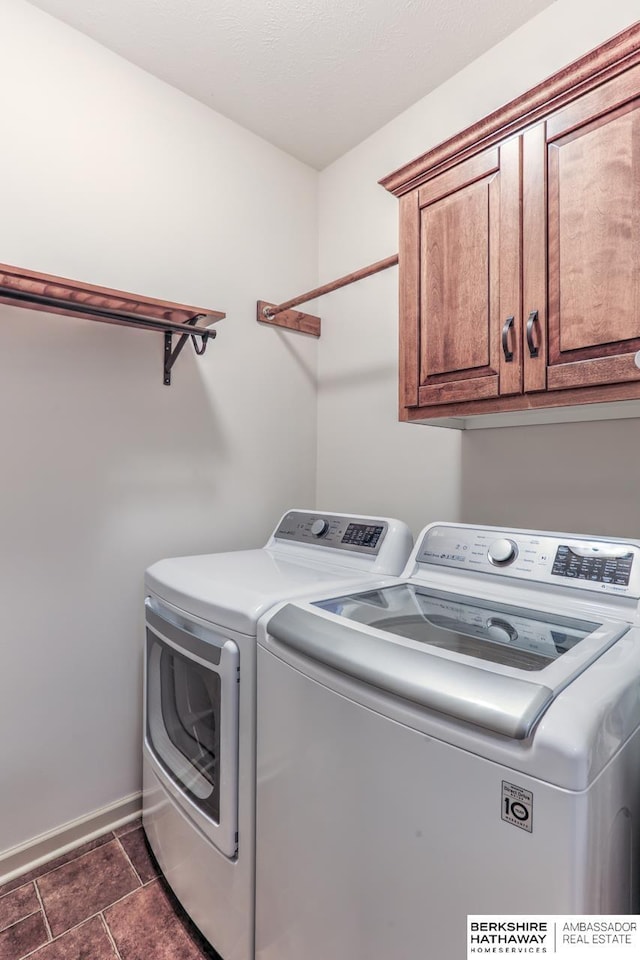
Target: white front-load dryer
<point>199,700</point>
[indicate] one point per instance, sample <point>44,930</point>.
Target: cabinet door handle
<point>533,317</point>
<point>508,354</point>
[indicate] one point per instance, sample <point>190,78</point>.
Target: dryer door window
<point>183,723</point>
<point>191,720</point>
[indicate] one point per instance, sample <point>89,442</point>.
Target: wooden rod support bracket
<point>171,353</point>
<point>281,314</point>
<point>291,319</point>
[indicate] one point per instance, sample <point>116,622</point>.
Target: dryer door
<point>191,720</point>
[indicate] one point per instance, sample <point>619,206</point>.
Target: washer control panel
<point>327,530</point>
<point>574,562</point>
<point>602,565</point>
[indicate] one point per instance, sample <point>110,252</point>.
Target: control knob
<point>503,551</point>
<point>501,630</point>
<point>319,527</point>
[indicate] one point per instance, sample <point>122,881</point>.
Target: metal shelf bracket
<point>172,353</point>
<point>71,298</point>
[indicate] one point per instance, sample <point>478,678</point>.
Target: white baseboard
<point>27,856</point>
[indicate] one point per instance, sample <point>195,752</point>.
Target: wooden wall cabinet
<point>520,251</point>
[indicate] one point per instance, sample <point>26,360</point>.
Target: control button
<point>502,552</point>
<point>501,630</point>
<point>365,536</point>
<point>319,527</point>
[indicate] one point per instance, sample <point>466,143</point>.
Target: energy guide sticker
<point>565,937</point>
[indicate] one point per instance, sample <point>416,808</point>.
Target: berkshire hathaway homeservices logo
<point>570,937</point>
<point>507,936</point>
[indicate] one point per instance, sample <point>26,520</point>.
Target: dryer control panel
<point>332,530</point>
<point>608,566</point>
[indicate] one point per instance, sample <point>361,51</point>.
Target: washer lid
<point>234,589</point>
<point>495,665</point>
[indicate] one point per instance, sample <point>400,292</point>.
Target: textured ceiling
<point>314,77</point>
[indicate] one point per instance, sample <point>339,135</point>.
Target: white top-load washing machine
<point>463,741</point>
<point>199,700</point>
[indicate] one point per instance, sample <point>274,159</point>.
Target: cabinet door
<point>593,170</point>
<point>460,257</point>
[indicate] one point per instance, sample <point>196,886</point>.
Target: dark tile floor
<point>105,900</point>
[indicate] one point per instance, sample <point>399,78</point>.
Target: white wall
<point>111,177</point>
<point>573,477</point>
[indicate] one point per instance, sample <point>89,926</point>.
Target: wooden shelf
<point>41,291</point>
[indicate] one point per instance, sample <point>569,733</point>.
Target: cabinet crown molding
<point>596,67</point>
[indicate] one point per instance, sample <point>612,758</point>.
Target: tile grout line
<point>3,896</point>
<point>124,897</point>
<point>40,945</point>
<point>98,913</point>
<point>44,912</point>
<point>141,885</point>
<point>19,920</point>
<point>42,870</point>
<point>128,828</point>
<point>77,926</point>
<point>47,873</point>
<point>130,862</point>
<point>110,935</point>
<point>33,952</point>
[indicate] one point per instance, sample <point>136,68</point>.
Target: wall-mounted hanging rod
<point>99,313</point>
<point>39,291</point>
<point>281,314</point>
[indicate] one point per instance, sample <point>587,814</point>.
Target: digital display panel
<point>596,567</point>
<point>362,535</point>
